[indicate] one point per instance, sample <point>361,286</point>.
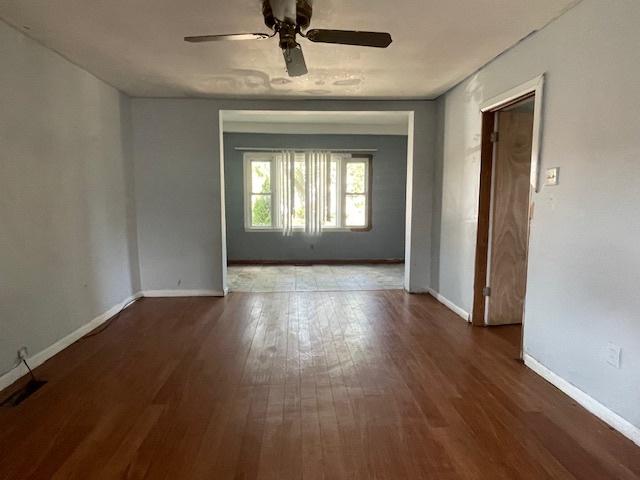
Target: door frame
<point>413,229</point>
<point>533,88</point>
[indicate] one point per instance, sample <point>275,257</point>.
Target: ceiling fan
<point>288,18</point>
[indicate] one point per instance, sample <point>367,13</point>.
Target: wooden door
<point>509,234</point>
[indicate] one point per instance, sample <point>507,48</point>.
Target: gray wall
<point>585,239</point>
<point>67,235</point>
<point>385,240</point>
<point>181,224</point>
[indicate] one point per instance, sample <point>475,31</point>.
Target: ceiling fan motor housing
<point>304,10</point>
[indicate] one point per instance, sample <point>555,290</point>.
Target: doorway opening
<point>508,179</point>
<point>316,200</point>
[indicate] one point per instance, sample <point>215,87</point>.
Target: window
<point>261,194</point>
<point>356,179</point>
<point>306,191</point>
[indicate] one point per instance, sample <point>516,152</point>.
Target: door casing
<point>489,111</point>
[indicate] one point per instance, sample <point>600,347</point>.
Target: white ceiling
<point>314,122</point>
<point>137,46</point>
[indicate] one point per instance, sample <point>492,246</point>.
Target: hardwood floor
<point>302,385</point>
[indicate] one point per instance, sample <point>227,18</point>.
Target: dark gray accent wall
<point>385,240</point>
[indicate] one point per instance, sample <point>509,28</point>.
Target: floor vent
<point>19,396</point>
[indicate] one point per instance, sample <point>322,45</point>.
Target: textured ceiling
<point>137,46</point>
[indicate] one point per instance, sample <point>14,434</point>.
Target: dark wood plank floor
<point>328,385</point>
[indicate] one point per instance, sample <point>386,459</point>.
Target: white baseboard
<point>417,291</point>
<point>450,305</point>
<point>609,417</point>
<point>39,358</point>
<point>183,293</point>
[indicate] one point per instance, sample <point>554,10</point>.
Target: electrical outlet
<point>551,177</point>
<point>23,353</point>
<point>613,355</point>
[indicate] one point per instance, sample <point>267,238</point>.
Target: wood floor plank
<point>302,385</point>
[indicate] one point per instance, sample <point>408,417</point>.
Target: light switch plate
<point>551,178</point>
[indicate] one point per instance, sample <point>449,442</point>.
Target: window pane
<point>331,218</point>
<point>260,210</point>
<point>355,210</point>
<point>299,178</point>
<point>355,177</point>
<point>260,177</point>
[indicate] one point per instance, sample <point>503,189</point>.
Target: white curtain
<point>316,171</point>
<point>317,166</point>
<point>285,173</point>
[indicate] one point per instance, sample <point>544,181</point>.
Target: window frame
<point>345,157</point>
<point>248,190</point>
<point>356,158</point>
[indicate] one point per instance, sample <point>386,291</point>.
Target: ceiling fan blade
<point>350,37</point>
<point>233,36</point>
<point>294,59</point>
